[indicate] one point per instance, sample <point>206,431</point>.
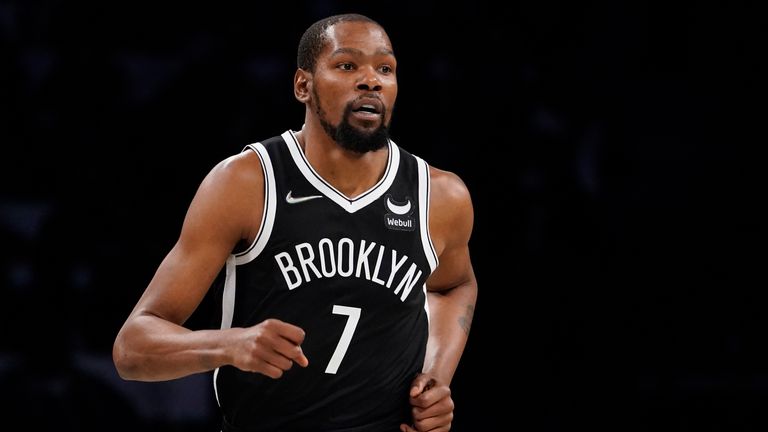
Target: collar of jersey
<point>349,204</point>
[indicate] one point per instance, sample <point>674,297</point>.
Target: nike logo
<point>290,199</point>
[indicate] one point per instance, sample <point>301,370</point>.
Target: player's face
<point>355,84</point>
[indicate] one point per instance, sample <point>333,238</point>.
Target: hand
<point>269,348</point>
<point>432,406</point>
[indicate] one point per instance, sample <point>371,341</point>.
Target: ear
<point>302,85</point>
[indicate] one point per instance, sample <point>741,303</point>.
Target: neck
<point>351,173</point>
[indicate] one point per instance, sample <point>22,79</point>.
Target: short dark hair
<point>313,40</point>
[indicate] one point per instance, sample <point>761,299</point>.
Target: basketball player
<point>348,288</point>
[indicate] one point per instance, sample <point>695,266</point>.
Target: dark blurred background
<point>610,147</point>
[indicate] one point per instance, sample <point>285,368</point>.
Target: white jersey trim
<point>425,190</point>
<point>426,239</point>
<point>227,307</point>
<point>351,205</point>
<point>265,230</point>
<point>270,206</point>
<point>215,387</point>
<point>228,296</point>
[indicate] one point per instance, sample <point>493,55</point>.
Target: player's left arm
<point>451,294</point>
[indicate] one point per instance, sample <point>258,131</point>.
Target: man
<point>330,239</point>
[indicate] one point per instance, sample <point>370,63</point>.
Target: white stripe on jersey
<point>270,204</point>
<point>265,230</point>
<point>425,190</point>
<point>351,205</point>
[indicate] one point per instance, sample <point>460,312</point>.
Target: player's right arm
<point>153,345</point>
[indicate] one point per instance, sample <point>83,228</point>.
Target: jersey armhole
<point>270,205</point>
<point>424,195</point>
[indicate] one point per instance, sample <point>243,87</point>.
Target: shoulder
<point>232,194</point>
<point>451,215</point>
<point>244,167</point>
<point>447,188</point>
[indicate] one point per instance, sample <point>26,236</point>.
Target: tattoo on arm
<point>465,321</point>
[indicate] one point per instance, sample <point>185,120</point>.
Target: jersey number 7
<point>346,336</point>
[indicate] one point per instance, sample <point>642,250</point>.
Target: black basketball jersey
<point>351,272</point>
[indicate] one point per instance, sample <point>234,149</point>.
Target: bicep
<point>217,219</point>
<point>451,222</point>
<point>181,280</point>
<point>455,269</point>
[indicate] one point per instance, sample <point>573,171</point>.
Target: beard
<point>350,137</point>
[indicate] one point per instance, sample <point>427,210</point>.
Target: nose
<point>369,80</point>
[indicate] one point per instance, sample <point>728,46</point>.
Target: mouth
<point>367,108</point>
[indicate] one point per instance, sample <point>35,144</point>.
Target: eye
<point>386,69</point>
<point>346,66</point>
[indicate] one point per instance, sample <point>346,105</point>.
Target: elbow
<point>126,364</point>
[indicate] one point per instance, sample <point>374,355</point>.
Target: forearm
<point>450,314</point>
<point>149,348</point>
